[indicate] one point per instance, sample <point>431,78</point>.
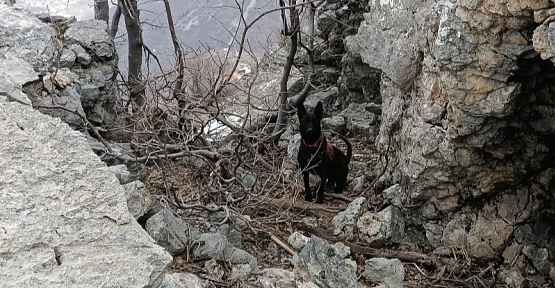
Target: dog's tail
<point>349,146</point>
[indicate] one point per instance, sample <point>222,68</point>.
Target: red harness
<point>329,147</point>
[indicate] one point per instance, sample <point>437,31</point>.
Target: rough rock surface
<point>278,278</point>
<point>137,202</point>
<point>28,37</point>
<point>384,227</point>
<point>345,222</point>
<point>217,246</point>
<point>388,271</point>
<point>83,81</point>
<point>170,231</point>
<point>321,264</point>
<point>297,240</point>
<point>467,117</point>
<point>182,280</point>
<point>64,220</point>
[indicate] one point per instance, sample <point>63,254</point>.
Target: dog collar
<point>316,144</point>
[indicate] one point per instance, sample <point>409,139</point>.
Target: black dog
<point>318,156</point>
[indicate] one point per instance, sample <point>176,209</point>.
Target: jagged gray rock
<point>321,264</point>
<point>170,231</point>
<point>297,240</point>
<point>336,123</point>
<point>327,98</point>
<point>276,278</point>
<point>384,227</point>
<point>215,245</point>
<point>358,183</point>
<point>137,202</point>
<point>389,271</point>
<point>234,237</point>
<point>91,34</point>
<point>360,121</point>
<point>393,193</point>
<point>81,54</point>
<point>14,73</point>
<point>28,37</point>
<point>68,98</point>
<point>539,257</point>
<point>345,222</point>
<point>67,59</point>
<point>12,91</point>
<point>121,173</point>
<point>293,148</point>
<point>182,280</point>
<point>64,221</point>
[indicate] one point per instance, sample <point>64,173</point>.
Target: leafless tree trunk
<point>178,88</point>
<point>101,10</point>
<point>115,22</point>
<point>299,99</point>
<point>135,54</point>
<point>283,92</point>
<point>294,32</point>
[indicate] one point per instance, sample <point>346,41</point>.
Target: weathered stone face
<point>449,83</point>
<point>468,105</point>
<point>64,219</point>
<point>26,37</point>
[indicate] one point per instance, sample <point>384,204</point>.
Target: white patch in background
<point>216,131</point>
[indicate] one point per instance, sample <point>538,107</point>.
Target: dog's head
<point>310,123</point>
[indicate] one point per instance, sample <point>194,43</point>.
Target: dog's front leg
<point>307,192</point>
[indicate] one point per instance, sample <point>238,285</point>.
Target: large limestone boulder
<point>64,220</point>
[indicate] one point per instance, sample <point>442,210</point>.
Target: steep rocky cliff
<point>467,93</point>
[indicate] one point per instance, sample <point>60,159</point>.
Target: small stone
<point>82,56</point>
<point>297,240</point>
<point>247,178</point>
<point>393,193</point>
<point>359,120</point>
<point>358,183</point>
<point>136,201</point>
<point>341,250</point>
<point>168,231</point>
<point>310,221</point>
<point>97,78</point>
<point>67,59</point>
<point>89,95</point>
<point>182,280</point>
<point>327,98</point>
<point>122,173</point>
<point>61,80</point>
<point>48,83</point>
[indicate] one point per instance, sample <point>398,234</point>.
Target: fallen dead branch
<point>405,256</point>
<point>283,245</point>
<point>440,277</point>
<point>288,204</point>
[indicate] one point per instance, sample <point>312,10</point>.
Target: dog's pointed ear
<point>319,110</point>
<point>301,111</point>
